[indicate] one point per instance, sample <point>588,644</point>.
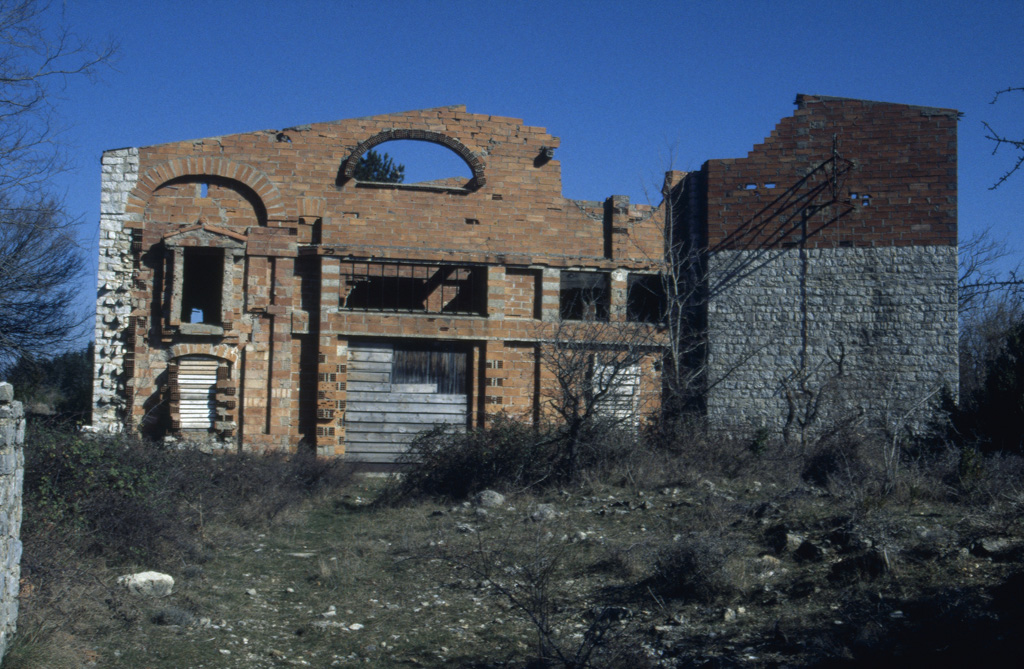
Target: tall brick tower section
<point>831,269</point>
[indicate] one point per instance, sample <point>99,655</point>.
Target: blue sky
<point>631,89</point>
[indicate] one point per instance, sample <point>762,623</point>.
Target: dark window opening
<point>645,299</point>
<point>584,296</point>
<point>442,364</point>
<point>432,289</point>
<point>202,284</point>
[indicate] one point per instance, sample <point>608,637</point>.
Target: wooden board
<point>197,383</point>
<point>381,418</point>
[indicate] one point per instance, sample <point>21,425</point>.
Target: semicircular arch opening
<point>219,200</point>
<point>431,159</point>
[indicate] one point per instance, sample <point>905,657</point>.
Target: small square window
<point>645,299</point>
<point>584,296</point>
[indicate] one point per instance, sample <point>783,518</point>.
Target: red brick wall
<point>522,293</point>
<point>225,205</point>
<point>519,211</point>
<point>902,169</point>
<point>283,195</point>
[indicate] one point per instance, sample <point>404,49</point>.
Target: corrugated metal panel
<point>393,395</point>
<point>621,401</point>
<point>197,386</point>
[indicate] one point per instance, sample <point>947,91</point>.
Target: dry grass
<point>651,566</point>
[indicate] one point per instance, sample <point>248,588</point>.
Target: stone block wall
<point>12,472</point>
<point>860,334</point>
<point>112,387</point>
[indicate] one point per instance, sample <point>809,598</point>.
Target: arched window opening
<point>422,163</point>
<point>219,201</point>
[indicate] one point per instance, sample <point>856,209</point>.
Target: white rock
<point>543,512</point>
<point>489,499</point>
<point>148,583</point>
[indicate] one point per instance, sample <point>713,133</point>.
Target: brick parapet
<point>893,180</point>
<point>520,208</point>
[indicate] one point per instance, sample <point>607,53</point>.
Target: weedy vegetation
<point>667,548</point>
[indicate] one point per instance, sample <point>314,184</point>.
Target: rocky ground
<point>715,573</point>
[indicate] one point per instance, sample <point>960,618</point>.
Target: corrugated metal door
<point>197,386</point>
<point>398,391</point>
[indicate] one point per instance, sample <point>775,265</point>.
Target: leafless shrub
<point>837,463</point>
<point>695,453</point>
<point>511,456</point>
<point>171,615</point>
<point>598,383</point>
<point>697,567</point>
<point>535,575</point>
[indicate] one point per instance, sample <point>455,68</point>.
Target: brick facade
<point>310,262</point>
<point>312,291</point>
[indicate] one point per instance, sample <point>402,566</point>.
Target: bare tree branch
<point>40,261</point>
<point>982,278</point>
<point>991,303</point>
<point>1002,140</point>
<point>597,378</point>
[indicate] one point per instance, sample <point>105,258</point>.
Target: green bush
<point>64,473</point>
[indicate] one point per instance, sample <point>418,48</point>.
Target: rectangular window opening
<point>441,364</point>
<point>645,299</point>
<point>432,289</point>
<point>584,296</point>
<point>202,285</point>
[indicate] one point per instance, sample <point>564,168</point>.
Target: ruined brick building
<point>253,292</point>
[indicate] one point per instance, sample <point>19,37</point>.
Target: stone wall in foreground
<point>12,471</point>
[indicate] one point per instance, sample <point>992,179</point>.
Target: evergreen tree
<point>61,384</point>
<point>375,167</point>
<point>1001,405</point>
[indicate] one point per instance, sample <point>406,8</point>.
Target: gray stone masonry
<point>863,334</point>
<point>12,472</point>
<point>113,303</point>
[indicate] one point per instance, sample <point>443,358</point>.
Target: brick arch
<point>217,351</point>
<point>476,164</point>
<point>198,166</point>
